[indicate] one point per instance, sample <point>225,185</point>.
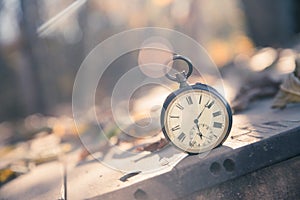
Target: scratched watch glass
<point>196,120</point>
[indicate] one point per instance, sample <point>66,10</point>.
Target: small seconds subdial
<point>202,135</point>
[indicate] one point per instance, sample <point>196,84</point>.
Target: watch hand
<point>205,136</point>
<point>199,133</point>
<point>197,125</point>
<point>207,105</point>
<point>200,113</point>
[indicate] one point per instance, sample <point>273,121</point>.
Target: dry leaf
<point>154,146</point>
<point>289,92</point>
<point>257,87</point>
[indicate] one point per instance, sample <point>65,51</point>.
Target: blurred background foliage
<point>43,43</point>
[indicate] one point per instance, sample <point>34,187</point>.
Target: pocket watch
<point>195,118</point>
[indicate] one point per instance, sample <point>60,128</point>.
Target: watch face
<point>196,119</point>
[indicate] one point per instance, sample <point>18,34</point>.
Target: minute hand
<point>201,113</point>
<point>207,105</point>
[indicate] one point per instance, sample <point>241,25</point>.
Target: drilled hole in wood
<point>215,168</point>
<point>140,194</point>
<point>229,165</point>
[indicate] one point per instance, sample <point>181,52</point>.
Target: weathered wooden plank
<point>43,182</point>
<point>260,138</point>
<point>222,164</point>
<point>92,178</point>
<point>279,181</point>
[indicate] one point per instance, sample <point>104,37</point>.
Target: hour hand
<point>200,134</point>
<point>197,125</point>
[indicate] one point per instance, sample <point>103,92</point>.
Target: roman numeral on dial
<point>189,100</point>
<point>175,128</point>
<point>200,99</point>
<point>216,114</point>
<point>179,106</point>
<point>218,125</point>
<point>209,104</point>
<point>181,137</point>
<point>172,116</point>
<point>192,143</point>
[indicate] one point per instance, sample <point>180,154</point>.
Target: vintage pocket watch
<point>195,118</point>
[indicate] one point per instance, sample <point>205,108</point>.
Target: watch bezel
<point>197,86</point>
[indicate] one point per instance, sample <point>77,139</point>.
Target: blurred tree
<point>17,85</point>
<point>296,11</point>
<point>271,22</point>
<point>28,25</point>
<point>55,36</point>
<point>10,105</point>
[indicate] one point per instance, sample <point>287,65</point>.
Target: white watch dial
<point>196,121</point>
